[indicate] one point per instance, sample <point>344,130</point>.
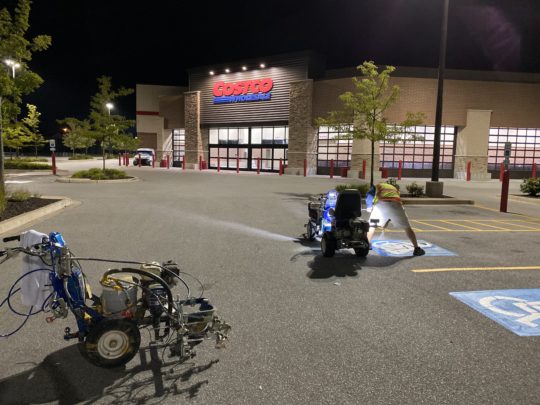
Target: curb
<point>28,217</point>
<point>436,201</point>
<point>72,180</point>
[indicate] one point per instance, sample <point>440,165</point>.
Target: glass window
<point>223,135</point>
<point>268,135</point>
<point>524,152</point>
<point>213,136</point>
<point>256,136</point>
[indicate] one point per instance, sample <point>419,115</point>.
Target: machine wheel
<point>310,231</point>
<point>111,343</point>
<point>328,245</point>
<point>362,251</point>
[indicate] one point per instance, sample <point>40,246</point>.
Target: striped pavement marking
<point>472,225</point>
<point>446,269</point>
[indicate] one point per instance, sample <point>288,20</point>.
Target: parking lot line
<point>465,226</point>
<point>445,269</point>
<point>491,226</point>
<point>514,224</point>
<point>428,224</point>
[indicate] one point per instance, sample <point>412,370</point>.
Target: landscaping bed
<point>14,208</point>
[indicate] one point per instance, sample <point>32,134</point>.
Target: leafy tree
<point>77,135</point>
<point>107,127</point>
<point>126,142</point>
<point>16,136</point>
<point>365,109</point>
<point>31,121</point>
<point>15,46</point>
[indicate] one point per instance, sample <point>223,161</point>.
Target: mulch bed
<point>14,208</point>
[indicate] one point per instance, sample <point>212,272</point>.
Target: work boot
<point>418,251</point>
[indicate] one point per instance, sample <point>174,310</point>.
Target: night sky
<point>154,42</point>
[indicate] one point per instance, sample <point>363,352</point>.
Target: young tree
<point>31,122</point>
<point>16,47</point>
<point>16,137</point>
<point>77,134</point>
<point>105,126</point>
<point>362,116</point>
<point>126,143</point>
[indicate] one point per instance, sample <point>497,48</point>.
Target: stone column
<point>472,146</point>
<point>194,144</point>
<point>361,150</point>
<point>302,133</point>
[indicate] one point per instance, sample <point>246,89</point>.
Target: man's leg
<point>418,251</point>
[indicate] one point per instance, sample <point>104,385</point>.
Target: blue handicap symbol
<point>516,310</point>
<point>402,248</point>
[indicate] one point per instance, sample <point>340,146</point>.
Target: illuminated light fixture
<point>211,73</point>
<point>227,70</point>
<point>262,65</point>
<point>244,68</point>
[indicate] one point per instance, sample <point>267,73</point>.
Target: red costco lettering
<point>243,87</point>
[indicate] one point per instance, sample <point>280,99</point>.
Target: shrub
<point>415,190</point>
<point>530,186</point>
<point>29,159</point>
<point>80,157</point>
<point>393,182</point>
<point>22,165</point>
<point>362,187</point>
<point>99,174</point>
<point>19,195</point>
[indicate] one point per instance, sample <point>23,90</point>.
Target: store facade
<point>259,115</point>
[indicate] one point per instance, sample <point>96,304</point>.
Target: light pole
<point>14,65</point>
<point>434,188</point>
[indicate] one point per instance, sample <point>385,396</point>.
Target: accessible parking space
<point>305,328</point>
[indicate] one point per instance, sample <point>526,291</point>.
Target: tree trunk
<point>103,152</point>
<point>35,150</point>
<point>372,162</point>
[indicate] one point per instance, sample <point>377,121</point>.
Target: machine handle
<point>11,238</point>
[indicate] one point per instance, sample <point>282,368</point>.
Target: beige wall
<point>513,104</point>
<point>172,109</point>
<point>148,95</point>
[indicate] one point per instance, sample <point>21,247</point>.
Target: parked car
<point>147,156</point>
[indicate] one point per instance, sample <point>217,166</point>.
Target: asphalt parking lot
<point>306,329</point>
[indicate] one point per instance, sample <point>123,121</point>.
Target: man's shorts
<point>393,210</point>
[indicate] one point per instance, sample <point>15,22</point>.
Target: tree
<point>362,116</point>
<point>126,142</point>
<point>16,136</point>
<point>105,126</point>
<point>31,122</point>
<point>15,46</point>
<point>77,134</point>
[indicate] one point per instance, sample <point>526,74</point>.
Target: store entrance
<point>248,148</point>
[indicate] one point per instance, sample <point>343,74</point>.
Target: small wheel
<point>111,343</point>
<point>310,231</point>
<point>363,250</point>
<point>328,245</point>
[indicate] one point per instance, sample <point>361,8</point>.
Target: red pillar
<point>364,169</point>
<point>53,163</point>
<point>469,170</point>
<point>280,167</point>
<point>504,191</point>
<point>258,165</point>
<point>218,162</point>
<point>400,169</point>
<point>501,171</point>
<point>200,162</point>
<point>331,168</point>
<point>184,163</point>
<point>305,167</point>
<point>168,162</point>
<point>533,174</point>
<point>139,160</point>
<point>153,160</point>
<point>237,164</point>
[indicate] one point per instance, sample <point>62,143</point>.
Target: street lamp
<point>109,106</point>
<point>433,186</point>
<point>14,65</point>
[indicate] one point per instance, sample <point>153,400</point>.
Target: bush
<point>415,190</point>
<point>530,186</point>
<point>29,159</point>
<point>80,157</point>
<point>19,195</point>
<point>99,174</point>
<point>393,182</point>
<point>362,187</point>
<point>22,165</point>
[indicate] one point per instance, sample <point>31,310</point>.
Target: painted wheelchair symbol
<point>398,248</point>
<point>525,312</point>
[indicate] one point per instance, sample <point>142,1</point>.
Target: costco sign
<point>247,90</point>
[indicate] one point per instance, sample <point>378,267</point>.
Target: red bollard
<point>53,163</point>
<point>258,165</point>
<point>153,160</point>
<point>364,169</point>
<point>168,162</point>
<point>200,162</point>
<point>184,163</point>
<point>139,160</point>
<point>504,191</point>
<point>218,163</point>
<point>469,170</point>
<point>127,159</point>
<point>237,165</point>
<point>280,167</point>
<point>331,168</point>
<point>533,174</point>
<point>119,159</point>
<point>305,167</point>
<point>400,169</point>
<point>501,172</point>
<point>124,159</point>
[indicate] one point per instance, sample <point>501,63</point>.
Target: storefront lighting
<point>262,65</point>
<point>211,73</point>
<point>244,68</point>
<point>227,70</point>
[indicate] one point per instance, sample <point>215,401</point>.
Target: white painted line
<point>18,181</point>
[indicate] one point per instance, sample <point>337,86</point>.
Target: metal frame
<point>525,148</point>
